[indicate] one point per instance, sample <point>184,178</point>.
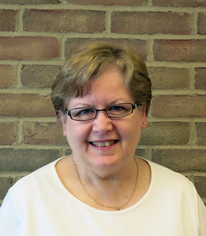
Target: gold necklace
<point>118,208</point>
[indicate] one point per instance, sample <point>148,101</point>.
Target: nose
<point>102,123</point>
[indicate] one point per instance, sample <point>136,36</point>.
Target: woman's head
<point>89,62</point>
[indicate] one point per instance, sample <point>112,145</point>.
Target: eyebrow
<point>113,102</point>
<point>80,105</point>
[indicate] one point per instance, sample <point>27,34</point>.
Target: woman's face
<point>122,134</point>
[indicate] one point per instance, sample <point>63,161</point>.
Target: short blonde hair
<point>89,62</point>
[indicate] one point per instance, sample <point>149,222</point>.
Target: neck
<point>111,188</point>
<point>122,172</point>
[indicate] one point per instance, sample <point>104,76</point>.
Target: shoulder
<point>165,174</point>
<point>36,181</point>
<point>171,181</point>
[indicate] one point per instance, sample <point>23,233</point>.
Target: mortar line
<point>20,132</point>
<point>18,76</point>
<point>150,50</point>
<point>193,135</point>
<point>195,23</point>
<point>19,22</point>
<point>108,22</point>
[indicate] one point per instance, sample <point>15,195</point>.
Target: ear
<point>144,124</point>
<point>143,117</point>
<point>63,119</point>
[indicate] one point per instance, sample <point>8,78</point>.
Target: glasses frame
<point>105,111</point>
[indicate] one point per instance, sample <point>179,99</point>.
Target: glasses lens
<point>83,113</point>
<point>119,110</point>
<point>115,111</point>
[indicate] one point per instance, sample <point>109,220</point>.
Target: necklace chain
<point>118,208</point>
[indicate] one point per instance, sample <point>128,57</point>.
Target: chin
<point>104,162</point>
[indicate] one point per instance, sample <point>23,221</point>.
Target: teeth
<point>103,144</point>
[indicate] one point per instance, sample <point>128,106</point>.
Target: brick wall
<point>37,35</point>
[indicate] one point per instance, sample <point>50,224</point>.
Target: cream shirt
<point>39,205</point>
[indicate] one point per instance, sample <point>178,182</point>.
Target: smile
<point>103,144</point>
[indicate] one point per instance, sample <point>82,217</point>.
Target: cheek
<point>129,131</point>
<point>76,133</point>
<point>134,132</point>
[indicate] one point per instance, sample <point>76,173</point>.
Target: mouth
<point>103,144</point>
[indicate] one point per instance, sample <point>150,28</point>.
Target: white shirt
<point>39,205</point>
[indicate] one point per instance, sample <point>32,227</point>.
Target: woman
<point>102,97</point>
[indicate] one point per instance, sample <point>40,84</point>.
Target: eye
<point>116,108</point>
<point>82,112</point>
<point>85,111</point>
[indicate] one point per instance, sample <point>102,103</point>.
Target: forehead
<point>107,87</point>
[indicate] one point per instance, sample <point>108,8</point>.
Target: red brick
<point>81,21</point>
<point>139,45</point>
<point>200,78</point>
<point>28,48</point>
<point>19,160</point>
<point>25,105</point>
<point>178,106</point>
<point>7,76</point>
<point>151,23</point>
<point>180,50</point>
<point>165,133</point>
<point>43,133</point>
<point>179,3</point>
<point>180,160</point>
<point>200,184</point>
<point>169,78</point>
<point>7,134</point>
<point>7,20</point>
<point>201,23</point>
<point>22,2</point>
<point>108,2</point>
<point>38,76</point>
<point>201,134</point>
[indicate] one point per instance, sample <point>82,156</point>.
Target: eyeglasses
<point>114,111</point>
